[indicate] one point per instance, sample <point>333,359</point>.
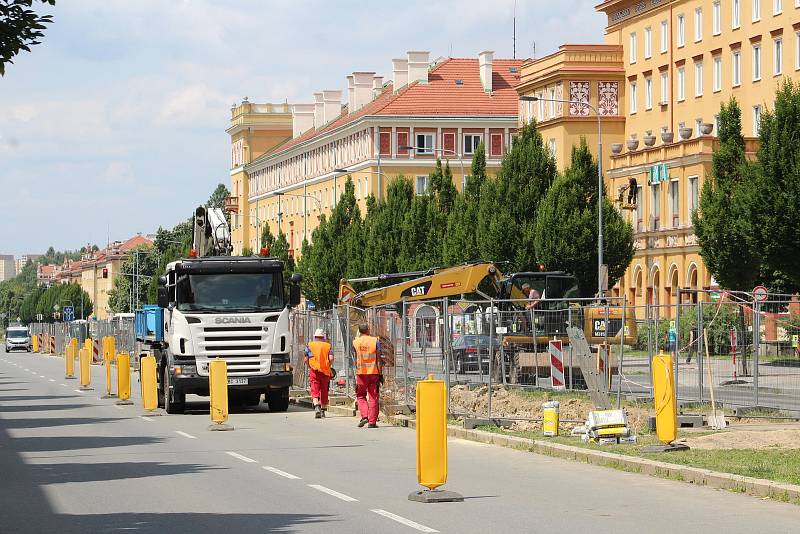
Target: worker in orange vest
<point>368,376</point>
<point>319,358</point>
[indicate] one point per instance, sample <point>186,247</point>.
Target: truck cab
<point>232,308</point>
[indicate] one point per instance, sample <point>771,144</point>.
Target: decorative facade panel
<point>559,96</point>
<point>579,98</point>
<point>608,93</point>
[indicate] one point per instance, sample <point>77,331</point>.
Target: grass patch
<point>781,465</point>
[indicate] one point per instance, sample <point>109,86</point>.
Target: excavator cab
<point>535,302</point>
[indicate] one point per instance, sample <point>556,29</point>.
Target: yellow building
<point>430,109</point>
<point>681,59</point>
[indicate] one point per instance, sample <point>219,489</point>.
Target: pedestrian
<point>693,342</point>
<point>368,376</point>
<point>319,358</point>
<point>633,186</point>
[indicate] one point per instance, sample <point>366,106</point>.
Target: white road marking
<point>240,457</point>
<point>281,473</point>
<point>146,418</point>
<point>78,391</point>
<point>334,493</point>
<point>185,435</point>
<point>66,386</point>
<point>52,380</point>
<point>404,521</point>
<point>43,376</point>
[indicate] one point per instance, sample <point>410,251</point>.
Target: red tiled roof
<point>440,96</point>
<point>134,242</point>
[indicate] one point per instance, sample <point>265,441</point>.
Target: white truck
<point>234,308</point>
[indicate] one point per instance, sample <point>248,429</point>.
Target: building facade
<point>680,60</point>
<point>427,111</point>
<point>8,267</point>
<point>23,260</point>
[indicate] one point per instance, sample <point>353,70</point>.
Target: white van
<point>18,338</point>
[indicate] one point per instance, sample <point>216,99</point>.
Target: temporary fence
<point>60,333</point>
<point>753,359</point>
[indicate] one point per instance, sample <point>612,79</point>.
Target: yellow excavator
<point>526,325</point>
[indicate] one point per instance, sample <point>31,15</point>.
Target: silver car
<point>18,338</point>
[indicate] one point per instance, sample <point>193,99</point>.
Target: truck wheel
<point>278,400</point>
<point>172,405</point>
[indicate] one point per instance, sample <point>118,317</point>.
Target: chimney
<point>319,111</point>
<point>400,73</point>
<point>351,94</point>
<point>377,86</point>
<point>418,67</point>
<point>302,118</point>
<point>363,89</point>
<point>485,59</point>
<point>332,104</point>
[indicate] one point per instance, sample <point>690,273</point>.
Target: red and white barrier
<point>556,364</point>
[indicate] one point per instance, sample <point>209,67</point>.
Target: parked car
<point>18,338</point>
<point>469,349</point>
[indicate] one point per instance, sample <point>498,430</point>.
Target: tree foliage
<point>20,28</point>
<point>566,226</point>
<point>44,301</point>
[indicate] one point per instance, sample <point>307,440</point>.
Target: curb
<point>693,475</point>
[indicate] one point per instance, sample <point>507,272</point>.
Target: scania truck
<point>213,305</point>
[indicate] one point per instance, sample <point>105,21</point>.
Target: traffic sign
<point>760,293</point>
<point>69,313</point>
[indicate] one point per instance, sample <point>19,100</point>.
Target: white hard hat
<point>319,332</point>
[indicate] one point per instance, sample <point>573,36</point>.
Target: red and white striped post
<point>556,364</point>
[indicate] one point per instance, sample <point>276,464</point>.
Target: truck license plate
<point>237,381</point>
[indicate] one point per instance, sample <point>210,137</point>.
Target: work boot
<point>324,412</point>
<point>317,412</point>
<point>363,422</point>
<point>372,425</point>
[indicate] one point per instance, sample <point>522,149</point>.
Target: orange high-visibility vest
<point>320,361</point>
<point>366,348</point>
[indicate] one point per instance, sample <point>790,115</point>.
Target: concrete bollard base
<point>66,377</point>
<point>107,396</point>
<point>153,413</point>
<point>124,403</point>
<point>220,427</point>
<point>86,388</point>
<point>427,496</point>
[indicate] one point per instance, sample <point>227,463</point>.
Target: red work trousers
<point>368,385</point>
<point>319,382</point>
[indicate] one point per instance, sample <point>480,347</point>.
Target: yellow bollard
<point>109,349</point>
<point>432,442</point>
<point>124,378</point>
<point>35,343</point>
<point>664,399</point>
<point>147,372</point>
<point>69,360</point>
<point>85,370</point>
<point>218,390</point>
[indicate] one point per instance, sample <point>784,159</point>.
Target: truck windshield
<point>230,292</point>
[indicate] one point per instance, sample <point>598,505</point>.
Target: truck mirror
<point>294,294</point>
<point>162,280</point>
<point>163,297</point>
<point>296,278</point>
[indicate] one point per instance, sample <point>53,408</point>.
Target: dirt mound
<point>509,402</point>
<point>748,439</point>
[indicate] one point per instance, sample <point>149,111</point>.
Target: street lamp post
<point>305,210</point>
<point>442,150</point>
<point>599,180</point>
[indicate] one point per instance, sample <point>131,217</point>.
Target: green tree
<point>20,28</point>
<point>722,222</point>
<point>280,250</point>
<point>128,288</point>
<point>217,198</point>
<point>461,239</point>
<point>774,214</point>
<point>566,226</point>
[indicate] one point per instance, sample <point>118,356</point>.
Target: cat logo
<point>419,290</point>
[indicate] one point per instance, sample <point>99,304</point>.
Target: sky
<point>115,124</point>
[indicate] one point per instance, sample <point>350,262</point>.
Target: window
<point>471,142</point>
<point>552,103</point>
<point>655,206</point>
<point>717,74</point>
<point>633,97</point>
<point>664,87</point>
<point>797,50</point>
<point>358,188</point>
<point>778,55</point>
<point>673,203</point>
<point>698,25</point>
<point>648,93</point>
<point>716,17</point>
<point>693,195</point>
<point>756,120</point>
<point>777,7</point>
<point>422,185</point>
<point>698,78</point>
<point>756,62</point>
<point>681,84</point>
<point>664,36</point>
<point>633,48</point>
<point>697,124</point>
<point>648,42</point>
<point>737,68</point>
<point>756,10</point>
<point>681,30</point>
<point>424,143</point>
<point>735,20</point>
<point>716,124</point>
<point>551,146</point>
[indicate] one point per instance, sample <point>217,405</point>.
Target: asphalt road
<point>73,463</point>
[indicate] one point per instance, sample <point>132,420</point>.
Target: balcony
<point>231,204</point>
